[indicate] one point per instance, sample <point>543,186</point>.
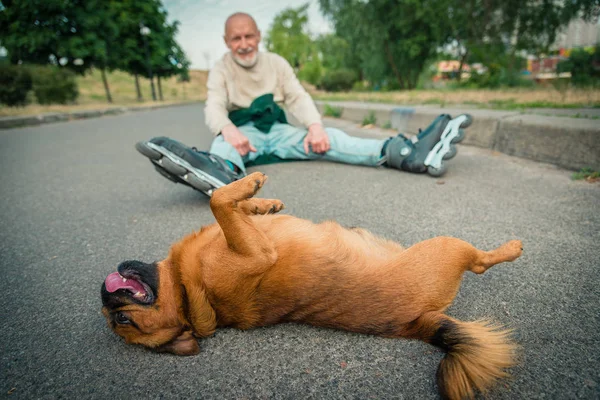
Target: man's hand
<point>233,136</point>
<point>317,139</point>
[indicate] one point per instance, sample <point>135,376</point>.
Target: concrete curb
<point>571,143</point>
<point>32,120</point>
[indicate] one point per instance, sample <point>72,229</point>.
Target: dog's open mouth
<point>138,290</point>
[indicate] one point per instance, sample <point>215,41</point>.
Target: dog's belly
<point>327,275</point>
<point>351,297</point>
<point>302,239</point>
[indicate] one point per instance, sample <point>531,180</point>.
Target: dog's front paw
<point>239,190</point>
<point>252,183</point>
<point>262,206</point>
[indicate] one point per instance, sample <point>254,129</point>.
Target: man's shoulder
<point>220,63</point>
<point>275,59</point>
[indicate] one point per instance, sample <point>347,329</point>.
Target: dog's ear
<point>200,313</point>
<point>183,345</point>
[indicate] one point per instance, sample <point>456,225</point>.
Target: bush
<point>15,83</point>
<point>311,72</point>
<point>584,67</point>
<point>339,80</point>
<point>361,86</point>
<point>54,85</point>
<point>495,77</point>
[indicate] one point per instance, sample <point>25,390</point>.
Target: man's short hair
<point>236,15</point>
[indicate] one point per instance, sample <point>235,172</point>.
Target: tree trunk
<point>106,88</point>
<point>511,63</point>
<point>137,88</point>
<point>462,62</point>
<point>152,88</point>
<point>388,53</point>
<point>160,96</point>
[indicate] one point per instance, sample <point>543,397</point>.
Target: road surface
<point>77,199</point>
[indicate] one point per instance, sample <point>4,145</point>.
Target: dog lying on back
<point>254,268</point>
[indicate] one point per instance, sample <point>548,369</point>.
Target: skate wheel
<point>451,152</point>
<point>171,167</point>
<point>467,122</point>
<point>436,172</point>
<point>164,173</point>
<point>198,184</point>
<point>459,137</point>
<point>147,151</point>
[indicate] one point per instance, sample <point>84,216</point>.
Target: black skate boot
<point>175,161</point>
<point>427,151</point>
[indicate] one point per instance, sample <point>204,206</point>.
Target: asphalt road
<point>77,199</point>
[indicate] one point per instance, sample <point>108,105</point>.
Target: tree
<point>70,33</point>
<point>288,36</point>
<point>134,52</point>
<point>334,51</point>
<point>163,53</point>
<point>171,58</point>
<point>83,34</point>
<point>392,38</point>
<point>396,38</point>
<point>496,31</point>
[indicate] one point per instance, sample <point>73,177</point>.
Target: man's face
<point>242,38</point>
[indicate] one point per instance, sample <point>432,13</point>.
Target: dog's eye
<point>121,318</point>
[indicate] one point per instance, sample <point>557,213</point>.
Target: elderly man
<point>246,92</point>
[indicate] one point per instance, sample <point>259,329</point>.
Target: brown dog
<point>253,269</point>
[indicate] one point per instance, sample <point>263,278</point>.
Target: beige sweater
<point>231,87</point>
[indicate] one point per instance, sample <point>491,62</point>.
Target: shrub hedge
<point>50,85</point>
<point>15,84</point>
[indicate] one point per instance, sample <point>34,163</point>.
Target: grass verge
<point>587,174</point>
<point>505,99</point>
<point>122,87</point>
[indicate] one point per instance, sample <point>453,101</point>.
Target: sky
<point>202,23</point>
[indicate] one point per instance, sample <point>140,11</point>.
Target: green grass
<point>335,112</point>
<point>512,104</point>
<point>435,101</point>
<point>502,99</point>
<point>370,119</point>
<point>122,88</point>
<point>97,97</point>
<point>586,173</point>
<point>578,115</point>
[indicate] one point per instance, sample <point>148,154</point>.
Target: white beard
<point>249,63</point>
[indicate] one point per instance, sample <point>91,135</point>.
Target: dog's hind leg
<point>435,267</point>
<point>509,251</point>
<point>231,207</point>
<point>451,257</point>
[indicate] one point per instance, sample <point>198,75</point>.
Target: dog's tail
<point>477,353</point>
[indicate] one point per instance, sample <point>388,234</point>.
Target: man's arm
<point>217,116</point>
<point>215,111</point>
<point>301,105</point>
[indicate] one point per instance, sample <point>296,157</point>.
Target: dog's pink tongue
<point>115,282</point>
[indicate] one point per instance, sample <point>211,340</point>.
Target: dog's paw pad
<point>251,184</point>
<point>256,181</point>
<point>276,207</point>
